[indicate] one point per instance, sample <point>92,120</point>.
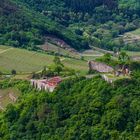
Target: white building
<point>46,84</point>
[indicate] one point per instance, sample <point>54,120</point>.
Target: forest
<point>80,23</point>
<point>86,109</point>
<point>24,28</point>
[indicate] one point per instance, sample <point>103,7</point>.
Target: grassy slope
<point>4,96</point>
<point>23,60</point>
<point>135,36</point>
<point>56,49</point>
<point>132,36</point>
<point>131,53</point>
<point>87,54</point>
<point>28,61</point>
<point>136,32</point>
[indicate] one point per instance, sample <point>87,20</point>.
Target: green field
<point>132,36</point>
<point>81,66</point>
<point>24,61</point>
<point>136,32</point>
<point>132,53</point>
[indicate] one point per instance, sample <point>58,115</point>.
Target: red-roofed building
<point>47,85</point>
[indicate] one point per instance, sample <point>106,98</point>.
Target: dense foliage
<point>24,23</point>
<point>79,109</point>
<point>23,27</point>
<point>89,5</point>
<point>97,21</point>
<point>16,28</point>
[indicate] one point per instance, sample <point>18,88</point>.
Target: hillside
<point>79,109</point>
<point>131,40</point>
<point>21,26</point>
<point>8,96</point>
<point>98,22</point>
<point>79,23</point>
<point>69,69</point>
<point>24,61</point>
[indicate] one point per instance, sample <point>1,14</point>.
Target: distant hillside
<point>23,27</point>
<point>89,5</point>
<point>24,23</point>
<point>97,21</point>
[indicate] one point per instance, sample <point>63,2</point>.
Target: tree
<point>13,72</point>
<point>57,61</point>
<point>123,58</point>
<point>44,71</point>
<point>107,57</point>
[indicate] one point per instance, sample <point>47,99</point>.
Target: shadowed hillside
<point>23,27</point>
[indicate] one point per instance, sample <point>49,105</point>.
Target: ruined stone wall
<point>100,67</point>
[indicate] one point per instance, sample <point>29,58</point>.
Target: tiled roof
<point>55,80</point>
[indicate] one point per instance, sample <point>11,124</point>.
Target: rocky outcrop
<point>100,67</point>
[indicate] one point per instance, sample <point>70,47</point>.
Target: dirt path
<point>5,50</point>
<point>96,55</point>
<point>102,50</point>
<point>136,58</point>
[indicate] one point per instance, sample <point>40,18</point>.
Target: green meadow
<point>24,61</point>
